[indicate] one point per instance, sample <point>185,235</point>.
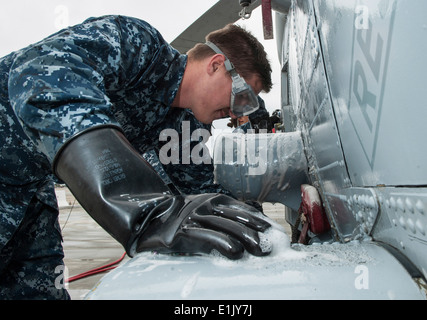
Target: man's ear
<point>215,63</point>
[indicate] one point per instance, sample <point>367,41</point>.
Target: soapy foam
<point>273,240</point>
<point>265,243</point>
<point>285,257</point>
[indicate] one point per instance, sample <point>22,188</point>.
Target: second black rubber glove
<point>203,223</point>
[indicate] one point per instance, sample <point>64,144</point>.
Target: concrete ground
<point>88,246</point>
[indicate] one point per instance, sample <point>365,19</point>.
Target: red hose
<point>92,272</point>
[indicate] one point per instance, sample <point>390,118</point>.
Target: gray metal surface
<point>355,72</point>
<point>377,76</point>
<point>311,102</point>
<point>334,271</point>
<point>402,223</point>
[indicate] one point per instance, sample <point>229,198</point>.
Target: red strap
<point>313,210</point>
<point>267,20</point>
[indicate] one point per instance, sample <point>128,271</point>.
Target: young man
<point>82,106</point>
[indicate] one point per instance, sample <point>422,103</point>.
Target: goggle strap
<point>228,65</point>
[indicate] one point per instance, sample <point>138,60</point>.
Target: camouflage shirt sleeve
<point>67,82</point>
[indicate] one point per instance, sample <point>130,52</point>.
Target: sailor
<point>81,107</point>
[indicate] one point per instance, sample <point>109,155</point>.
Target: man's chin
<point>206,121</point>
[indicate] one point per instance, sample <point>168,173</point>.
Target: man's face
<point>216,103</point>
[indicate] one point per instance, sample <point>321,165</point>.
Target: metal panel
<point>355,211</point>
<point>311,101</point>
<point>377,73</point>
<point>403,222</point>
<point>374,58</point>
<point>333,271</point>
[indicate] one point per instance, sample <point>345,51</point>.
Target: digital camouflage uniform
<point>188,176</point>
<point>109,70</point>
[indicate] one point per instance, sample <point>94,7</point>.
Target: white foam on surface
<point>274,240</point>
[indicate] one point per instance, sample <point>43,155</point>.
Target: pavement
<point>87,246</point>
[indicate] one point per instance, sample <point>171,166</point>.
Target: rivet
<point>420,207</point>
<point>409,205</point>
<point>411,225</point>
<point>420,227</point>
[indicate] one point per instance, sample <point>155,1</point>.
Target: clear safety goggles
<point>243,99</point>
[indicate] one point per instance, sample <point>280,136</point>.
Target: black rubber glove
<point>127,198</point>
<point>202,223</point>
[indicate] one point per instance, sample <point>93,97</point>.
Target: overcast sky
<point>23,22</point>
